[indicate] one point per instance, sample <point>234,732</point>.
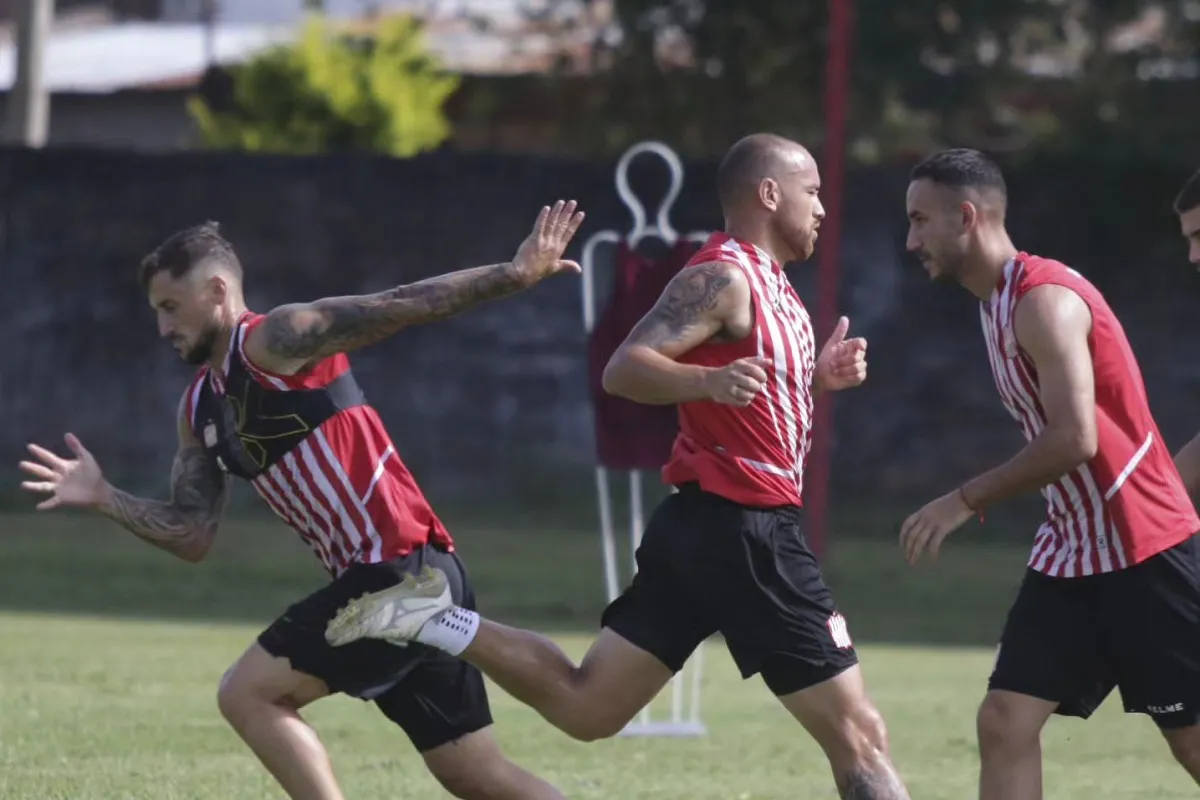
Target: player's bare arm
<point>294,336</point>
<point>1187,461</point>
<point>1051,324</point>
<point>184,525</point>
<point>700,303</point>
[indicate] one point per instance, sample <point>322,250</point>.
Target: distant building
<point>119,72</point>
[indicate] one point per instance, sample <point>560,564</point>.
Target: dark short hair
<point>1189,196</point>
<point>187,249</point>
<point>961,168</point>
<point>748,161</point>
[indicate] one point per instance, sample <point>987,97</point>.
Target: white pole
<point>28,100</point>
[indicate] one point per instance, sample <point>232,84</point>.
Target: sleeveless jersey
<point>316,453</point>
<point>1127,503</point>
<point>753,455</point>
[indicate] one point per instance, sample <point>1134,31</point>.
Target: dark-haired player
<point>1111,596</point>
<point>729,342</point>
<point>275,403</point>
<point>1187,207</point>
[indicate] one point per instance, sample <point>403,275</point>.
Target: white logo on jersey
<point>210,435</point>
<point>839,631</point>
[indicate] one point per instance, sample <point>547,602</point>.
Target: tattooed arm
<point>293,337</point>
<point>700,303</point>
<point>186,524</point>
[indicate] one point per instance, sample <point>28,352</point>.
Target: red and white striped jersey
<point>1128,502</point>
<point>753,455</point>
<point>316,453</point>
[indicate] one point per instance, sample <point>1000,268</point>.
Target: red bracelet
<point>962,493</point>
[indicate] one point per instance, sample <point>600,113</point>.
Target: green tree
<point>329,90</point>
<point>1005,75</point>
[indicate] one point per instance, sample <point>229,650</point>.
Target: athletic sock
<point>451,632</point>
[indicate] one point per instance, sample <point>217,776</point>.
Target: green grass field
<point>110,653</point>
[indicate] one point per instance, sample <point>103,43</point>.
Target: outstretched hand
<point>540,255</point>
<point>842,363</point>
<point>74,481</point>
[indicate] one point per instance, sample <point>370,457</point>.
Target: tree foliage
<point>1077,75</point>
<point>331,91</point>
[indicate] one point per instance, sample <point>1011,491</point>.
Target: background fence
<point>493,406</point>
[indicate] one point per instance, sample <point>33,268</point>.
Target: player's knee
<point>1002,726</point>
<point>590,716</point>
<point>592,727</point>
<point>841,717</point>
<point>233,696</point>
<point>853,736</point>
<point>872,731</point>
<point>863,733</point>
<point>239,695</point>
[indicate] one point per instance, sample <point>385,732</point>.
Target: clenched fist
<point>737,384</point>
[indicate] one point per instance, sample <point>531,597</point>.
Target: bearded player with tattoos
<point>274,402</point>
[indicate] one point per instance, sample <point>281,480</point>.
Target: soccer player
<point>1187,206</point>
<point>274,402</point>
<point>729,342</point>
<point>1111,596</point>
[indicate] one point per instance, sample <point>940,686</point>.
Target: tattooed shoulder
<point>293,331</point>
<point>692,306</point>
<point>699,288</point>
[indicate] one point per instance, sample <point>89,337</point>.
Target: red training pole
<point>837,90</point>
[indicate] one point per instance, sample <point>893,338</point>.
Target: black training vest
<point>250,427</point>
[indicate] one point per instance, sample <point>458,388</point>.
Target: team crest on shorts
<point>838,631</point>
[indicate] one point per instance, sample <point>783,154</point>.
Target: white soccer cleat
<point>395,614</point>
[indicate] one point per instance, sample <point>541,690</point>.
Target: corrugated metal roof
<point>114,57</point>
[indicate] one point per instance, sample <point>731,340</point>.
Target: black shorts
<point>707,564</point>
<point>1072,640</point>
<point>434,697</point>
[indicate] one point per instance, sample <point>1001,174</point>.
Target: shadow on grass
<point>537,574</point>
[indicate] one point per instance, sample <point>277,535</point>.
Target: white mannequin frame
<point>685,714</point>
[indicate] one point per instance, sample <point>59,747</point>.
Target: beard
<point>942,270</point>
<point>202,350</point>
<point>801,245</point>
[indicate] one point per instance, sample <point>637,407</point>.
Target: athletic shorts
<point>708,565</point>
<point>1072,640</point>
<point>434,697</point>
